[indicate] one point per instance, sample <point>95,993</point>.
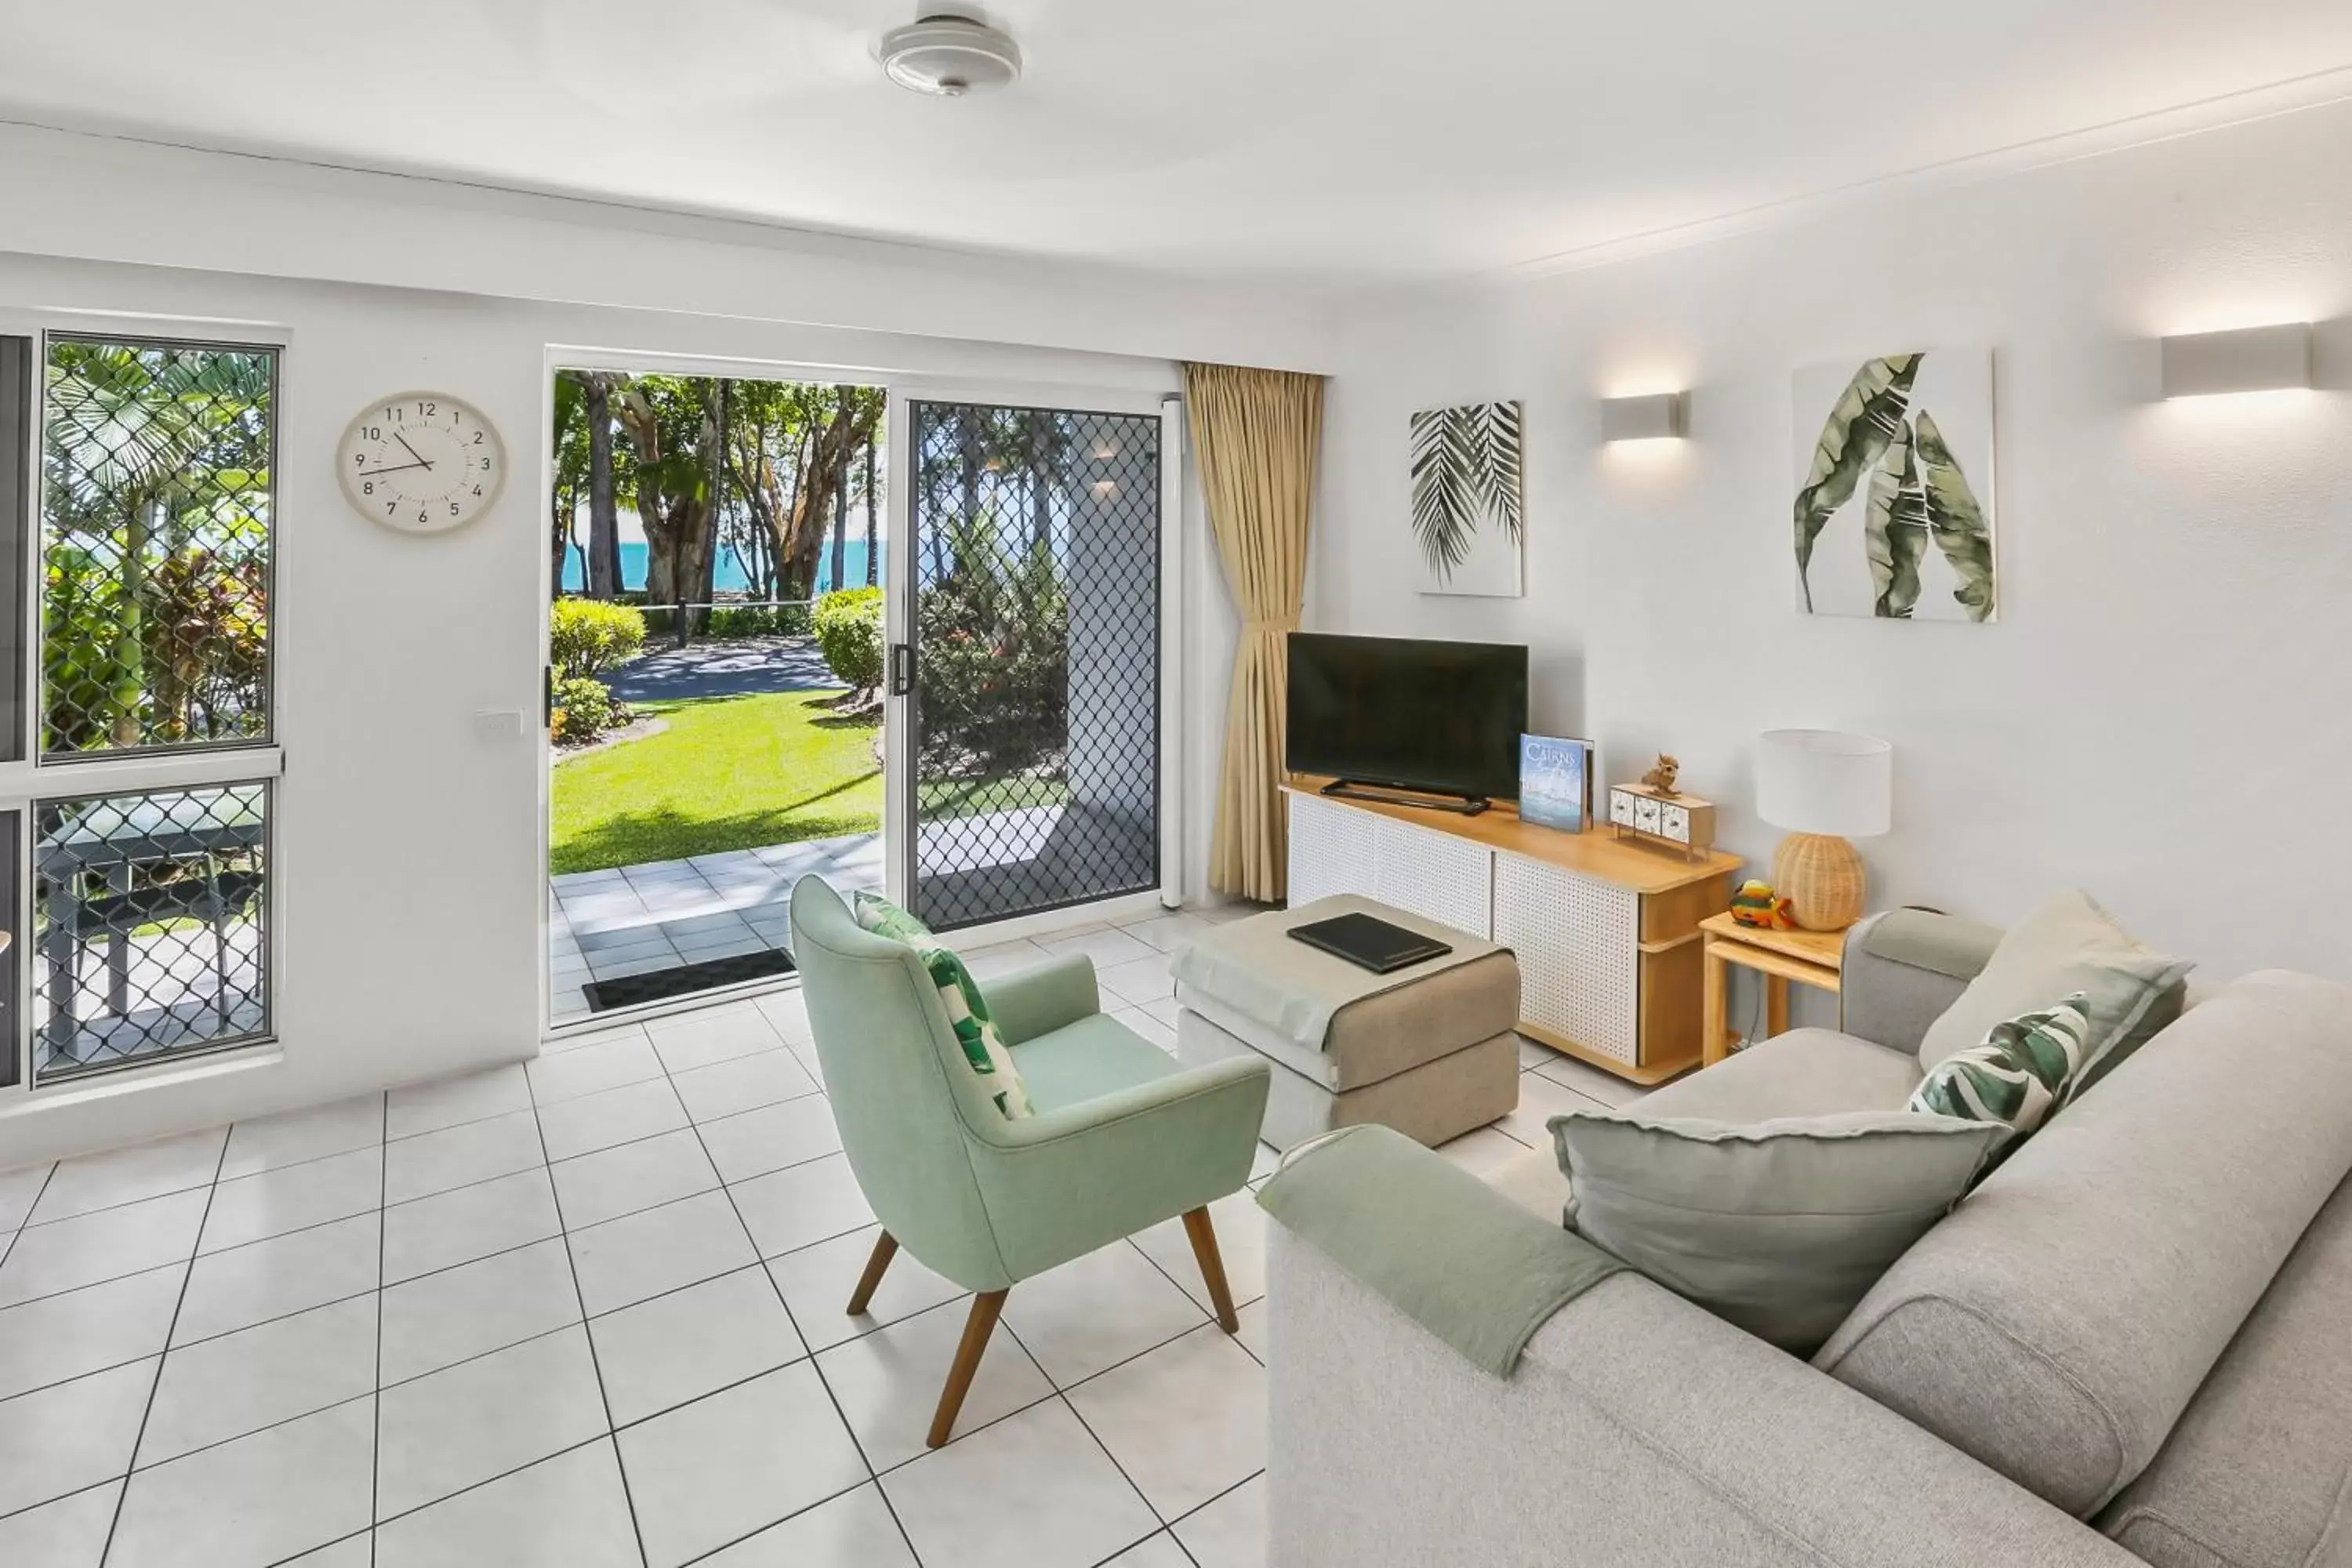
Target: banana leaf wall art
<point>1467,498</point>
<point>1893,510</point>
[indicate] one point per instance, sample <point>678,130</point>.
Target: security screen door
<point>1030,658</point>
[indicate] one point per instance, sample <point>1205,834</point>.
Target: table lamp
<point>1824,788</point>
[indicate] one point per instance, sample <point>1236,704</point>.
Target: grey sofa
<point>2132,1343</point>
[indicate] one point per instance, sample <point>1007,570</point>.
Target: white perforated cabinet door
<point>1435,875</point>
<point>1579,959</point>
<point>1330,850</point>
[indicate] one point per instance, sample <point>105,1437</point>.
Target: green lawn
<point>729,772</point>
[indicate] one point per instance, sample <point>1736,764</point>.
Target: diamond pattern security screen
<point>157,506</point>
<point>1036,637</point>
<point>150,926</point>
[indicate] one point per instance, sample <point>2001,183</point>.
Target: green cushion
<point>1780,1228</point>
<point>984,1049</point>
<point>1087,1059</point>
<point>2024,1069</point>
<point>2068,945</point>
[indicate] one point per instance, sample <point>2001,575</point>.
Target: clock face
<point>423,462</point>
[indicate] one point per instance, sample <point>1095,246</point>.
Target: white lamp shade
<point>1820,781</point>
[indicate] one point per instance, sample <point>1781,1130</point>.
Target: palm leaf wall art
<point>1880,428</point>
<point>1468,503</point>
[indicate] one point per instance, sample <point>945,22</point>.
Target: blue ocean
<point>728,575</point>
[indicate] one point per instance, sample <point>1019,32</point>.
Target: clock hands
<point>395,469</point>
<point>410,450</point>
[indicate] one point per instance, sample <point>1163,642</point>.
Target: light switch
<point>499,724</point>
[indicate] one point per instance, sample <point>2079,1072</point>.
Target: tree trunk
<point>602,578</point>
<point>841,528</point>
<point>870,568</point>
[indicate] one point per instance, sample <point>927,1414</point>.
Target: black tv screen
<point>1445,717</point>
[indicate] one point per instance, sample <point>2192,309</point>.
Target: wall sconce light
<point>1664,417</point>
<point>2256,359</point>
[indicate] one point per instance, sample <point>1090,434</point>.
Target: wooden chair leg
<point>886,1248</point>
<point>976,1330</point>
<point>1213,1268</point>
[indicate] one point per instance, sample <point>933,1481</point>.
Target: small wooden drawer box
<point>1684,821</point>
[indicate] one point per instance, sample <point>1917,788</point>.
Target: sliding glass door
<point>1027,659</point>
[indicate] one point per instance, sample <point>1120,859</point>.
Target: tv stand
<point>1606,933</point>
<point>1461,805</point>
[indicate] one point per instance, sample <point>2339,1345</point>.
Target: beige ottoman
<point>1428,1051</point>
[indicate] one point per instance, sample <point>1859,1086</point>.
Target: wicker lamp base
<point>1820,875</point>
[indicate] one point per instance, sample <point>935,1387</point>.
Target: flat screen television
<point>1443,718</point>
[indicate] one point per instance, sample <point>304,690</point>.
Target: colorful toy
<point>1754,905</point>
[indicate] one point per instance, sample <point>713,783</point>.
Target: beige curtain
<point>1257,433</point>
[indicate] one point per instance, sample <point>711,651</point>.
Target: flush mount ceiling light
<point>948,56</point>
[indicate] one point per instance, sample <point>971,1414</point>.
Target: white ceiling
<point>1363,140</point>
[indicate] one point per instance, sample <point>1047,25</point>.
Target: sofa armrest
<point>1636,1430</point>
<point>1903,968</point>
<point>1043,997</point>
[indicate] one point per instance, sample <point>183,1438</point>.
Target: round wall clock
<point>422,462</point>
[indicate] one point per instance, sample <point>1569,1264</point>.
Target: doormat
<point>661,984</point>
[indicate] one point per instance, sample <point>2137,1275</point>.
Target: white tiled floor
<point>588,1312</point>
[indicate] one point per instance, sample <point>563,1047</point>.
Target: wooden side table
<point>1813,958</point>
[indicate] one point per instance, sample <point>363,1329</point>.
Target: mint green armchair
<point>1123,1137</point>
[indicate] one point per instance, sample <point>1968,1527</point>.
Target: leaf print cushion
<point>2024,1069</point>
<point>985,1051</point>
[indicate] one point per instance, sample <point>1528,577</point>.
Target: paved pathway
<point>742,668</point>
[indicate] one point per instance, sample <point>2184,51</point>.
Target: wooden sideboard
<point>1607,931</point>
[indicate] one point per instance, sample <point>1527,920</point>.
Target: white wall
<point>407,844</point>
<point>2161,716</point>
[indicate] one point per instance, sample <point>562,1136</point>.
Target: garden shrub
<point>849,623</point>
<point>584,708</point>
<point>995,676</point>
<point>589,636</point>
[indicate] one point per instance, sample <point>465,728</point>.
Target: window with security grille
<point>150,926</point>
<point>1036,642</point>
<point>157,505</point>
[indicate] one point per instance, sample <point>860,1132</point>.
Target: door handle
<point>902,668</point>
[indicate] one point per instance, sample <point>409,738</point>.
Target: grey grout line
<point>131,1460</point>
<point>595,1365</point>
<point>375,1432</point>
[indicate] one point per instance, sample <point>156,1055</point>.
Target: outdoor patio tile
<point>487,1305</point>
<point>817,1280</point>
<point>613,1117</point>
<point>658,1354</point>
<point>460,1156</point>
<point>71,1253</point>
<point>277,1277</point>
<point>631,1259</point>
<point>852,1531</point>
<point>566,881</point>
<point>745,1083</point>
<point>262,1499</point>
<point>257,1207</point>
<point>728,925</point>
<point>568,1511</point>
<point>573,1074</point>
<point>704,951</point>
<point>607,925</point>
<point>621,969</point>
<point>240,1382</point>
<point>1185,1422</point>
<point>455,1228</point>
<point>465,1424</point>
<point>791,1208</point>
<point>1075,1508</point>
<point>71,1436</point>
<point>713,1471</point>
<point>271,1142</point>
<point>448,1102</point>
<point>119,1176</point>
<point>71,1532</point>
<point>632,1176</point>
<point>755,1142</point>
<point>887,1383</point>
<point>60,1338</point>
<point>1229,1533</point>
<point>595,940</point>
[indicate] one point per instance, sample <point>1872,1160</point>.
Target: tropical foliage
<point>992,685</point>
<point>1465,477</point>
<point>848,626</point>
<point>1918,493</point>
<point>155,518</point>
<point>585,638</point>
